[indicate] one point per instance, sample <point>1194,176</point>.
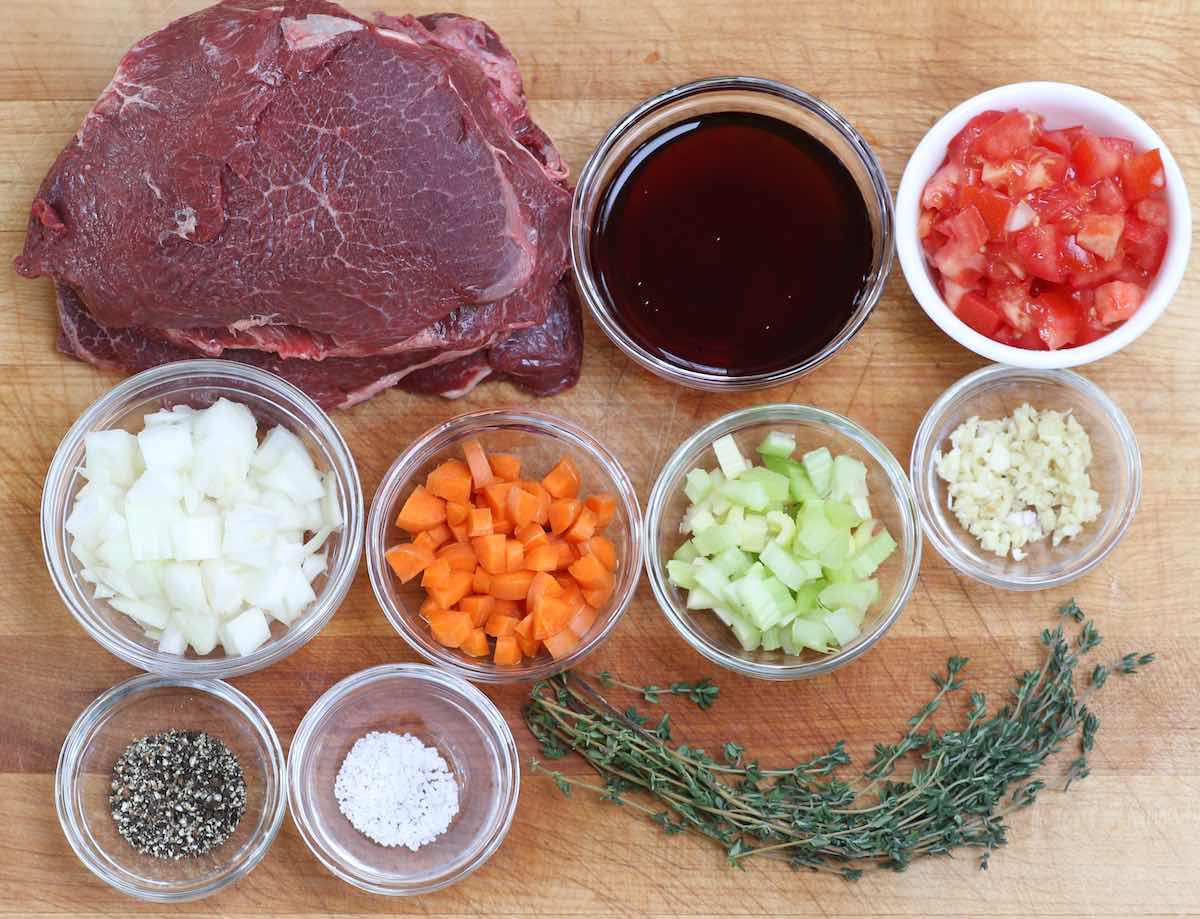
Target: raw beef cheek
<point>286,184</point>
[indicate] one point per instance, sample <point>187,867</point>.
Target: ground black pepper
<point>177,794</point>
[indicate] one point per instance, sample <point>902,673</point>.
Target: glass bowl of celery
<point>782,541</point>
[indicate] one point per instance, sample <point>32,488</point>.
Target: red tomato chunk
<point>1043,239</point>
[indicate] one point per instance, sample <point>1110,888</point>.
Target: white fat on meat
<point>315,30</point>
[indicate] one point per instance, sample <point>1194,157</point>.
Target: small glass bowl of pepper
<point>151,705</point>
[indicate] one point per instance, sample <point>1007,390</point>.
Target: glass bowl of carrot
<point>505,545</point>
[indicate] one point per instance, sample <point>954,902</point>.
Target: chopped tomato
<point>1116,301</point>
<point>942,189</point>
<point>1059,141</point>
<point>968,227</point>
<point>1104,271</point>
<point>1007,136</point>
<point>1058,320</point>
<point>1141,174</point>
<point>1073,256</point>
<point>1100,233</point>
<point>958,150</point>
<point>1038,251</point>
<point>1013,302</point>
<point>1145,244</point>
<point>960,262</point>
<point>1109,199</point>
<point>1154,211</point>
<point>978,314</point>
<point>1094,160</point>
<point>993,207</point>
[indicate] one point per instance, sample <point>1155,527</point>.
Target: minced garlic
<point>1019,479</point>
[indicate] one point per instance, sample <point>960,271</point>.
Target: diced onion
<point>1019,217</point>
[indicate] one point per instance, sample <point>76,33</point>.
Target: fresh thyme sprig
<point>962,784</point>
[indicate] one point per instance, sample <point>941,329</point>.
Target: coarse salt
<point>395,790</point>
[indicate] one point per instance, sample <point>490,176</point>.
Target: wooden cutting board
<point>1126,841</point>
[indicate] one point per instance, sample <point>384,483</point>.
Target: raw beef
<point>346,204</point>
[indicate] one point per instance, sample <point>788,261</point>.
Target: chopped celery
<point>756,571</point>
<point>814,529</point>
<point>784,565</point>
<point>780,595</point>
<point>752,495</point>
<point>775,485</point>
<point>872,555</point>
<point>849,479</point>
<point>730,457</point>
<point>810,633</point>
<point>777,443</point>
<point>780,464</point>
<point>699,598</point>
<point>734,516</point>
<point>699,485</point>
<point>841,623</point>
<point>806,596</point>
<point>819,466</point>
<point>858,595</point>
<point>770,639</point>
<point>783,526</point>
<point>681,574</point>
<point>687,552</point>
<point>800,486</point>
<point>733,562</point>
<point>841,514</point>
<point>753,533</point>
<point>698,518</point>
<point>716,538</point>
<point>748,636</point>
<point>837,551</point>
<point>712,580</point>
<point>863,534</point>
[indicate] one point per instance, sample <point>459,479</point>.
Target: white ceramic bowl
<point>1063,105</point>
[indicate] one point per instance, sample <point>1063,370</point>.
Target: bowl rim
<point>922,457</point>
<point>786,413</point>
<point>92,717</point>
<point>580,241</point>
<point>290,400</point>
<point>305,735</point>
<point>400,474</point>
<point>930,152</point>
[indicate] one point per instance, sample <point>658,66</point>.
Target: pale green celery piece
<point>780,594</point>
<point>770,639</point>
<point>783,565</point>
<point>863,534</point>
<point>734,516</point>
<point>733,563</point>
<point>873,554</point>
<point>716,538</point>
<point>725,614</point>
<point>748,636</point>
<point>843,626</point>
<point>699,598</point>
<point>786,642</point>
<point>730,457</point>
<point>698,485</point>
<point>686,552</point>
<point>858,595</point>
<point>783,526</point>
<point>800,486</point>
<point>849,479</point>
<point>698,518</point>
<point>806,596</point>
<point>812,633</point>
<point>838,550</point>
<point>781,465</point>
<point>753,533</point>
<point>819,466</point>
<point>756,571</point>
<point>711,579</point>
<point>814,529</point>
<point>862,507</point>
<point>778,443</point>
<point>842,515</point>
<point>776,485</point>
<point>745,493</point>
<point>681,574</point>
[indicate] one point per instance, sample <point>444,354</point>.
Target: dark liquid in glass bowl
<point>732,243</point>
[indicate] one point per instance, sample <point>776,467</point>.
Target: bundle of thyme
<point>961,786</point>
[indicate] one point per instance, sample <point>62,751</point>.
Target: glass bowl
<point>149,704</point>
<point>729,94</point>
<point>540,440</point>
<point>199,383</point>
<point>439,709</point>
<point>1116,473</point>
<point>892,502</point>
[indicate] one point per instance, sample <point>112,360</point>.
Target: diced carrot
<point>603,506</point>
<point>481,469</point>
<point>542,558</point>
<point>582,621</point>
<point>458,586</point>
<point>532,536</point>
<point>408,560</point>
<point>562,481</point>
<point>481,583</point>
<point>567,583</point>
<point>476,644</point>
<point>583,528</point>
<point>525,627</point>
<point>451,480</point>
<point>425,540</point>
<point>542,516</point>
<point>514,555</point>
<point>459,555</point>
<point>479,522</point>
<point>496,496</point>
<point>449,628</point>
<point>589,572</point>
<point>550,618</point>
<point>561,643</point>
<point>567,556</point>
<point>437,574</point>
<point>529,646</point>
<point>522,506</point>
<point>599,596</point>
<point>603,549</point>
<point>503,525</point>
<point>507,650</point>
<point>563,513</point>
<point>457,513</point>
<point>541,585</point>
<point>459,530</point>
<point>512,585</point>
<point>498,626</point>
<point>573,597</point>
<point>422,511</point>
<point>478,608</point>
<point>490,552</point>
<point>439,535</point>
<point>429,607</point>
<point>505,466</point>
<point>512,608</point>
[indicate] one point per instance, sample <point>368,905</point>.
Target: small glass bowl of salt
<point>403,779</point>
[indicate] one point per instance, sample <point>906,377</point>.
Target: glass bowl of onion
<point>202,518</point>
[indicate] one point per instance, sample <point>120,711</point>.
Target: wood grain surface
<point>1125,842</point>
